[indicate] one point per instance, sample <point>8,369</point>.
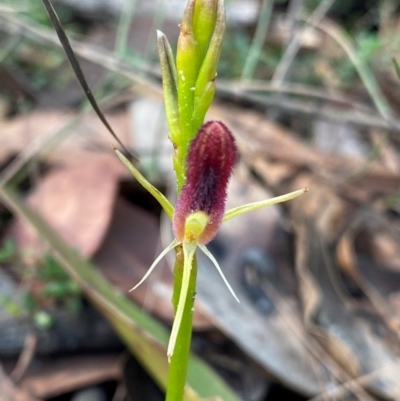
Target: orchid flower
<point>204,154</point>
<point>200,208</point>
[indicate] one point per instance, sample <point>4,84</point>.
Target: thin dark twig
<point>78,70</point>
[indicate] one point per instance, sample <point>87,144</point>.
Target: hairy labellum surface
<point>212,155</point>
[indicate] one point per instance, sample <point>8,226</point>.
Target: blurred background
<point>311,91</point>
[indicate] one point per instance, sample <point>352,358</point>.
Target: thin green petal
<point>211,257</point>
<point>189,249</point>
<point>162,200</point>
<point>170,247</point>
<point>237,211</point>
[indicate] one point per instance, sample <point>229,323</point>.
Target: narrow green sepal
<point>237,211</point>
<point>170,85</point>
<point>171,246</point>
<point>215,263</point>
<point>162,200</point>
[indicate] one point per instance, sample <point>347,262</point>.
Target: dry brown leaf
<point>77,201</point>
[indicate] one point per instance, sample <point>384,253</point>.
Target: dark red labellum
<point>211,158</point>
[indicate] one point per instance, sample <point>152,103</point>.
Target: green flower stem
<point>179,360</point>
